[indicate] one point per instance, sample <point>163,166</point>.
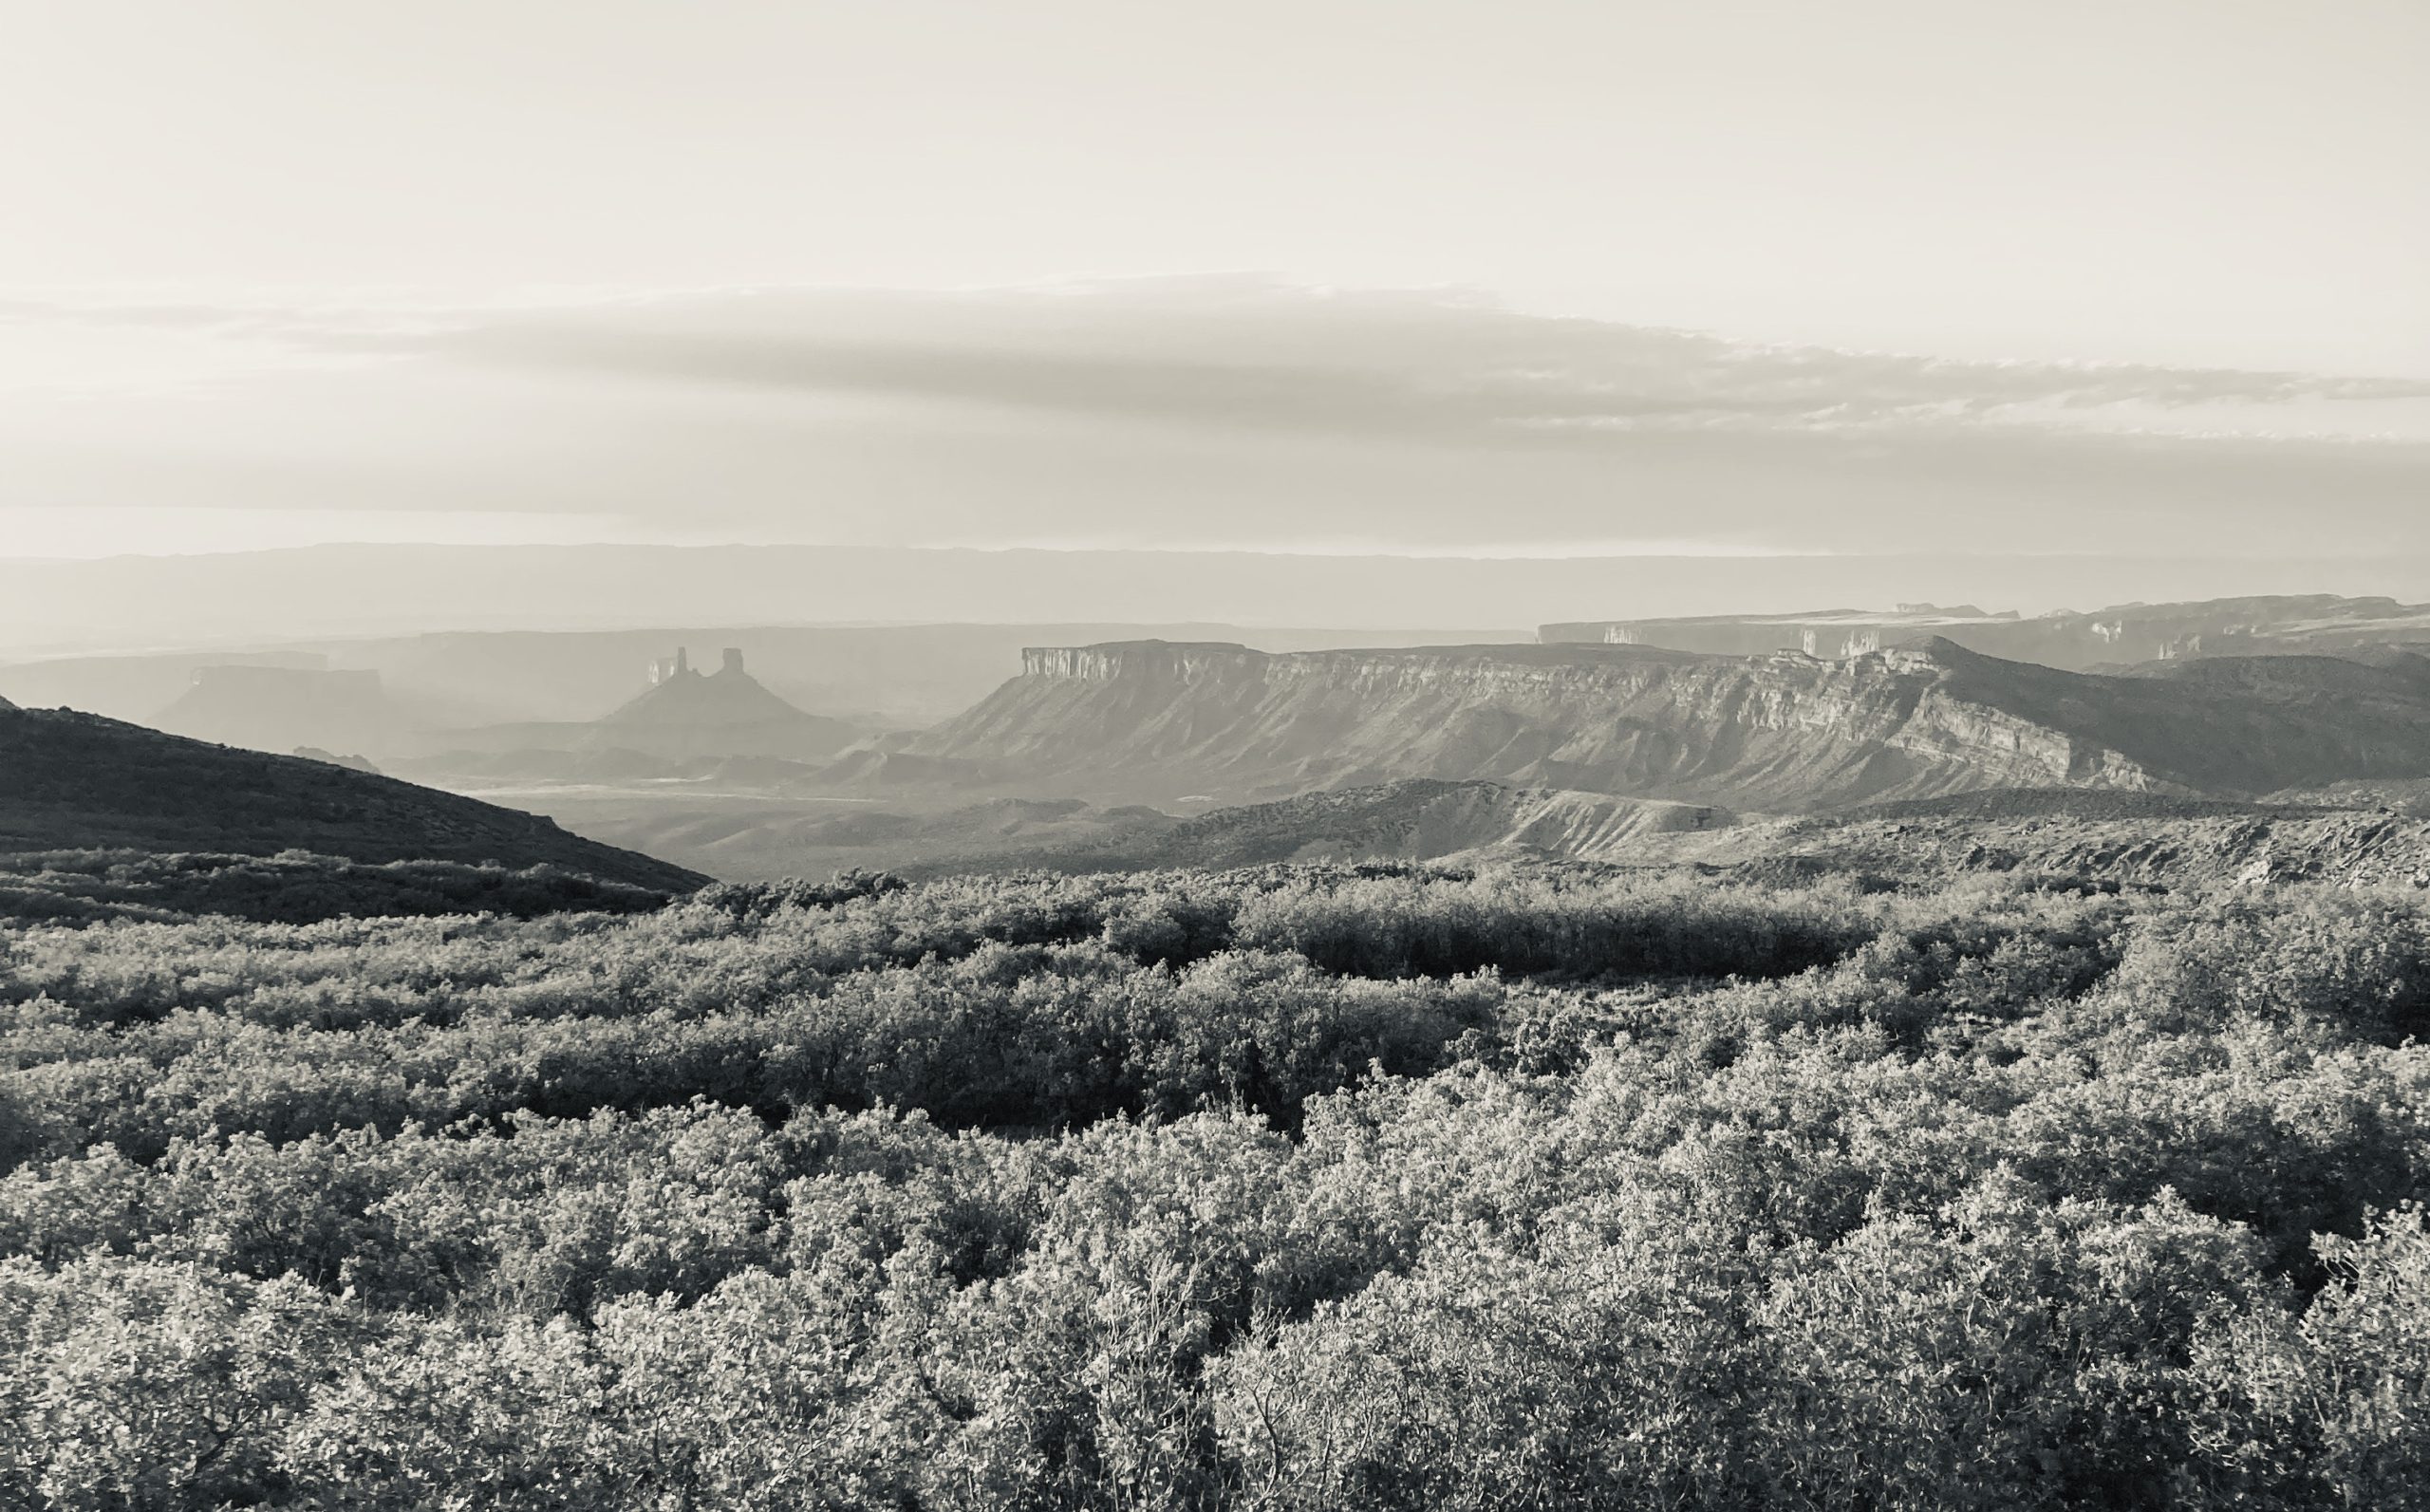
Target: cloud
<point>1224,351</point>
<point>1232,411</point>
<point>1241,352</point>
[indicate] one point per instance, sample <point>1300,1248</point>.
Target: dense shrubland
<point>1272,1189</point>
<point>296,887</point>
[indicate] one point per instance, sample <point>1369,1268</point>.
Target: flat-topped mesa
<point>1476,668</point>
<point>2119,634</point>
<point>1833,634</point>
<point>1158,720</point>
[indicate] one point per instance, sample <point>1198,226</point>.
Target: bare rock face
<point>685,712</point>
<point>1157,722</point>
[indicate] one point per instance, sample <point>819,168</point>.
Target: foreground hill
<point>1156,721</point>
<point>72,782</point>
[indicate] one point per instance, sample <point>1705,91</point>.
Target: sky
<point>1522,278</point>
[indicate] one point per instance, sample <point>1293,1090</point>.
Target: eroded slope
<point>1154,720</point>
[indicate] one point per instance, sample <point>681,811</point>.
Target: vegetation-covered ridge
<point>72,782</point>
<point>295,886</point>
<point>1292,1187</point>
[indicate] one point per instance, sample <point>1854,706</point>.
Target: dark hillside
<point>78,781</point>
<point>2230,726</point>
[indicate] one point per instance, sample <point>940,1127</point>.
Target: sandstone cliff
<point>1158,721</point>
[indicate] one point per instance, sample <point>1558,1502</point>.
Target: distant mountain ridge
<point>892,676</point>
<point>343,593</point>
<point>72,782</point>
<point>2119,635</point>
<point>1155,722</point>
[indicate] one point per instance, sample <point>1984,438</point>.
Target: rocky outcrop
<point>679,697</point>
<point>1136,660</point>
<point>1158,721</point>
<point>684,714</point>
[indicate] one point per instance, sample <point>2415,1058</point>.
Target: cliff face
<point>1171,720</point>
<point>1158,721</point>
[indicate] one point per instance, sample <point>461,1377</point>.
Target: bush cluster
<point>295,886</point>
<point>1292,1188</point>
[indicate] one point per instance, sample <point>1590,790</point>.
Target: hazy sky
<point>905,273</point>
